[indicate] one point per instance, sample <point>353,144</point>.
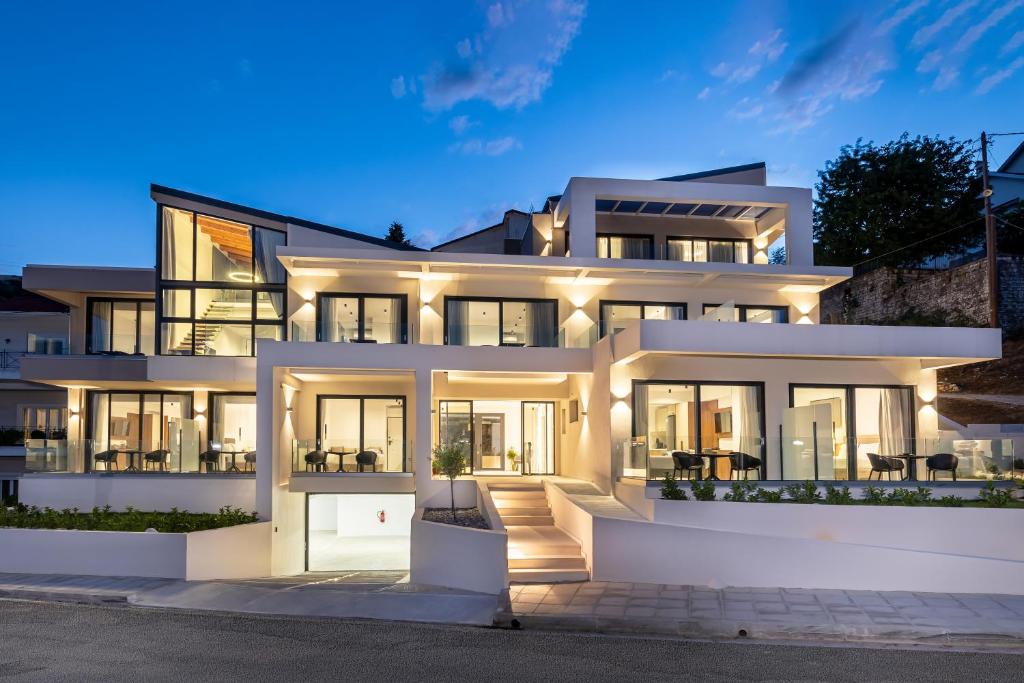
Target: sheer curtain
<point>749,423</point>
<point>892,422</point>
<point>264,255</point>
<point>328,323</point>
<point>540,321</point>
<point>395,324</point>
<point>635,247</point>
<point>458,314</point>
<point>638,454</point>
<point>721,252</point>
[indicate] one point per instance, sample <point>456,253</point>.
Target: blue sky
<point>444,114</point>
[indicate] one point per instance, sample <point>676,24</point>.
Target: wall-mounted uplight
<point>74,412</point>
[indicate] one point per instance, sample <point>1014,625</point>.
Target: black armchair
<point>366,459</point>
<point>250,461</point>
<point>108,458</point>
<point>211,459</point>
<point>690,463</point>
<point>880,464</point>
<point>156,460</point>
<point>743,463</point>
<point>941,462</point>
<point>316,461</point>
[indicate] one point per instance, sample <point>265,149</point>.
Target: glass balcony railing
<point>341,456</point>
<point>49,455</point>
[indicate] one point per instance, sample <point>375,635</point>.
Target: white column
<point>799,233</point>
<point>422,429</point>
<point>582,220</point>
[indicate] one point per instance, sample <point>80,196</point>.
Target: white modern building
<point>628,330</point>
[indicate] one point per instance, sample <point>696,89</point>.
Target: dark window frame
<point>851,415</point>
<point>522,438</point>
<point>141,393</point>
<point>501,301</point>
<point>361,297</point>
<point>698,430</point>
<point>643,315</point>
<point>742,308</point>
<point>193,284</point>
<point>92,300</point>
<point>649,238</point>
<point>212,410</point>
<point>362,421</point>
<point>681,238</point>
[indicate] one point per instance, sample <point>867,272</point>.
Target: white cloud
<point>978,29</point>
<point>398,87</point>
<point>1015,41</point>
<point>900,16</point>
<point>927,33</point>
<point>999,76</point>
<point>490,148</point>
<point>511,62</point>
<point>746,109</point>
<point>947,76</point>
<point>460,124</point>
<point>721,70</point>
<point>763,51</point>
<point>703,94</point>
<point>930,62</point>
<point>770,48</point>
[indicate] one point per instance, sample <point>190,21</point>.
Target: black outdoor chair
<point>316,461</point>
<point>690,463</point>
<point>250,461</point>
<point>211,459</point>
<point>880,464</point>
<point>941,462</point>
<point>366,459</point>
<point>108,458</point>
<point>743,463</point>
<point>156,460</point>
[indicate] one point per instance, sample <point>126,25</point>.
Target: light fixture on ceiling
<point>239,276</point>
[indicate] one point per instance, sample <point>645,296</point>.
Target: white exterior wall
<point>192,492</point>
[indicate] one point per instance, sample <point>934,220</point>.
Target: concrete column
<point>799,233</point>
<point>582,221</point>
<point>422,421</point>
<point>270,410</point>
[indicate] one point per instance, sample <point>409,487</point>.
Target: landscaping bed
<point>104,519</point>
<point>467,517</point>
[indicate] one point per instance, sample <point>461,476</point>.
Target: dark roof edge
<point>269,215</point>
<point>1010,159</point>
<point>716,171</point>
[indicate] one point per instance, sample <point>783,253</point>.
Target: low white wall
<point>437,494</point>
<point>241,551</point>
<point>97,553</point>
<point>195,493</point>
<point>572,519</point>
<point>458,557</point>
<point>234,552</point>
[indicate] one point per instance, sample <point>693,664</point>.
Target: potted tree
<point>513,459</point>
<point>450,460</point>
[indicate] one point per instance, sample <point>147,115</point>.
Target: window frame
<point>211,408</point>
<point>362,398</point>
<point>642,304</point>
<point>89,303</point>
<point>501,301</point>
<point>361,298</point>
<point>192,285</point>
<point>690,238</point>
<point>649,238</point>
<point>742,308</point>
<point>141,393</point>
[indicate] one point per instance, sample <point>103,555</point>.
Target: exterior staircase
<point>538,551</point>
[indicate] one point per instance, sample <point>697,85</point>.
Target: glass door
<point>455,427</point>
<point>538,456</point>
<point>488,441</point>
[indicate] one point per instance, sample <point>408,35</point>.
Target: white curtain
<point>638,455</point>
<point>749,422</point>
<point>540,324</point>
<point>892,422</point>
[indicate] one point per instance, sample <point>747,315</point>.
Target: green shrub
<point>804,493</point>
<point>995,497</point>
<point>910,498</point>
<point>950,501</point>
<point>766,496</point>
<point>873,495</point>
<point>838,495</point>
<point>741,492</point>
<point>670,489</point>
<point>703,490</point>
<point>103,519</point>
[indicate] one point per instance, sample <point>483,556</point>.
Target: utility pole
<point>990,238</point>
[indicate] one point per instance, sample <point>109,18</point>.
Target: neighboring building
<point>29,413</point>
<point>1007,181</point>
<point>622,323</point>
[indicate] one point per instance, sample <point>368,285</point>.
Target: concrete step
<point>547,575</point>
<point>515,486</point>
<point>533,541</point>
<point>516,510</point>
<point>528,520</point>
<point>559,562</point>
<point>502,496</point>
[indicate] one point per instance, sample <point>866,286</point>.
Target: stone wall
<point>960,294</point>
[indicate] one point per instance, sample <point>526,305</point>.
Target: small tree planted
<point>450,460</point>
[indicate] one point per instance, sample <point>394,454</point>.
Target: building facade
<point>630,330</point>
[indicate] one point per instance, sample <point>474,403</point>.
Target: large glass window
<point>748,314</point>
<point>705,250</point>
<point>719,428</point>
<point>130,431</point>
<point>501,322</point>
<point>501,435</point>
<point>120,326</point>
<point>221,287</point>
<point>361,433</point>
<point>233,424</point>
<point>367,318</point>
<point>625,246</point>
<point>615,315</point>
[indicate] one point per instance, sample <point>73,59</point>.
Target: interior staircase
<point>538,551</point>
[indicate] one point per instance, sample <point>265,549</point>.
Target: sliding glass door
<point>500,322</point>
<point>501,437</point>
<point>365,318</point>
<point>538,456</point>
<point>131,429</point>
<point>362,433</point>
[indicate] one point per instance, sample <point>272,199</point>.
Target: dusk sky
<point>443,114</point>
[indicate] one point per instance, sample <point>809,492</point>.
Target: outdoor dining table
<point>234,466</point>
<point>341,457</point>
<point>714,463</point>
<point>911,459</point>
<point>131,459</point>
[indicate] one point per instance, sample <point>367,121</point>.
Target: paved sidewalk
<point>774,613</point>
<point>361,595</point>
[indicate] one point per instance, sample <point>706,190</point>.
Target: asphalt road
<point>51,641</point>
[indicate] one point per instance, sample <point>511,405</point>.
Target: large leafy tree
<point>898,203</point>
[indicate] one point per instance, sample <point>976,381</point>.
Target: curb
<point>723,629</point>
<point>65,596</point>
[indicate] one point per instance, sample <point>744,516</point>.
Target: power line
<point>914,244</point>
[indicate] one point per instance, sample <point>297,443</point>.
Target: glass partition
<point>233,429</point>
<point>615,315</point>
